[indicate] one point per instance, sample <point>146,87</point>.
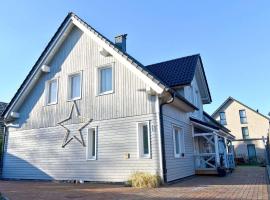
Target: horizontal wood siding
<point>80,53</point>
<point>37,153</point>
<point>183,166</point>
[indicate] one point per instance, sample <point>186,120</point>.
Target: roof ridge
<point>110,41</point>
<point>173,59</point>
<point>230,97</point>
<point>131,59</point>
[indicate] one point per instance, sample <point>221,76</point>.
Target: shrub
<point>144,180</point>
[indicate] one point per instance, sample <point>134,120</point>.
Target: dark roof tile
<point>176,72</point>
<point>2,107</point>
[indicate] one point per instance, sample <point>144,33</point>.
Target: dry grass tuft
<point>144,180</point>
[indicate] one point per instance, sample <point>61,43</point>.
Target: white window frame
<point>69,85</point>
<point>181,142</point>
<point>243,119</point>
<point>99,68</point>
<point>48,91</point>
<point>140,140</point>
<point>224,120</point>
<point>88,156</point>
<point>245,136</point>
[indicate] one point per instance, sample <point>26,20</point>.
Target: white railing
<point>205,161</point>
<point>231,161</point>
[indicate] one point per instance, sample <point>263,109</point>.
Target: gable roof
<point>233,99</point>
<point>144,72</point>
<point>178,72</point>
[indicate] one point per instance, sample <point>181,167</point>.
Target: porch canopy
<point>212,147</point>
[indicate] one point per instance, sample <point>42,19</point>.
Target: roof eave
<point>37,65</point>
<point>209,99</point>
<point>216,122</point>
<point>183,99</point>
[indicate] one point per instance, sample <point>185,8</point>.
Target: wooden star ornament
<point>68,138</point>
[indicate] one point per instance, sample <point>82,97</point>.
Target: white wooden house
<point>88,110</point>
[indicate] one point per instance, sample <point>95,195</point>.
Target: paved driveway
<point>244,183</point>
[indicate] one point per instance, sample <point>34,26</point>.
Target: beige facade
<point>249,132</point>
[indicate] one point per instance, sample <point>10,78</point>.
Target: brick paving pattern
<point>243,183</point>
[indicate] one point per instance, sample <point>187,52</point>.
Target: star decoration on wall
<point>68,138</point>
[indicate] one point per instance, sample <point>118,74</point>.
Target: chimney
<point>120,42</point>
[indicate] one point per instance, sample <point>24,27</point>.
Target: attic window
<point>105,80</point>
<point>243,116</point>
<point>52,89</point>
<point>75,86</point>
<point>222,117</point>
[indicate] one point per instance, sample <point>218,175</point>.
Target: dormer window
<point>222,117</point>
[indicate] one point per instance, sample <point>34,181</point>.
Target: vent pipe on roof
<point>120,42</point>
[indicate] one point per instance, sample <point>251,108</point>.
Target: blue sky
<point>233,38</point>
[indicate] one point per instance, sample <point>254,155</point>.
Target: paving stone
<point>243,183</point>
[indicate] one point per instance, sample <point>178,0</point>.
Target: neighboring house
<point>88,110</point>
<point>249,127</point>
<point>2,108</point>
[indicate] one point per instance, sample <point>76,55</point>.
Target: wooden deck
<point>206,171</point>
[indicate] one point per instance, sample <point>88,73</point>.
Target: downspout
<point>163,152</point>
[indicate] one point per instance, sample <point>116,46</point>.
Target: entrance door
<point>251,153</point>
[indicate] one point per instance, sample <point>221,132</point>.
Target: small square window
<point>105,83</point>
<point>74,86</point>
<point>144,140</point>
<point>52,88</point>
<point>92,144</point>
